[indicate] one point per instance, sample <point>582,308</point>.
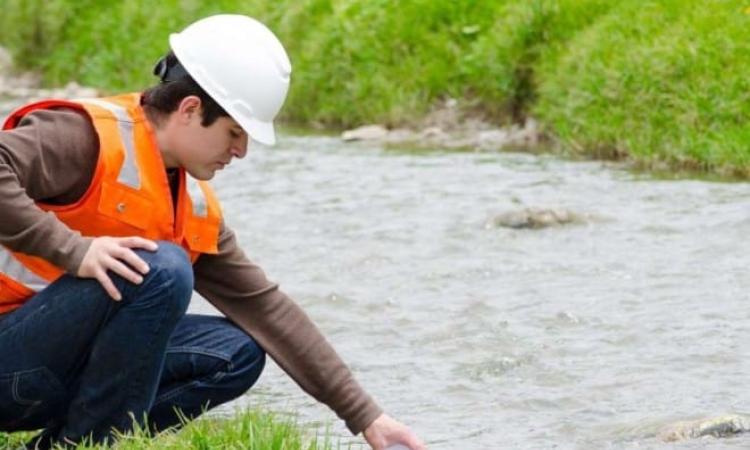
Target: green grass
<point>248,430</point>
<point>661,82</point>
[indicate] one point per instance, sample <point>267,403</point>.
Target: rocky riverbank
<point>449,126</point>
<point>19,88</point>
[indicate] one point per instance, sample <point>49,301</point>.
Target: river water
<point>587,336</point>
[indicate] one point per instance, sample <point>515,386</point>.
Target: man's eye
<point>234,134</point>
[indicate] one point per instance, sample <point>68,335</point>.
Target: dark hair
<point>165,97</point>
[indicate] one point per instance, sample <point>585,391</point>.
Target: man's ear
<point>188,108</point>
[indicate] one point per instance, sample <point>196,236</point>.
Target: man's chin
<point>201,174</point>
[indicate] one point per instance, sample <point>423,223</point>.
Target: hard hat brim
<point>257,130</point>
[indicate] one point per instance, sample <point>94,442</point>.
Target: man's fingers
<point>108,286</point>
<point>130,257</point>
<point>138,242</point>
<point>118,267</point>
<point>415,443</point>
<point>115,254</point>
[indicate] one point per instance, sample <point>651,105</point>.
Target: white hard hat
<point>241,64</point>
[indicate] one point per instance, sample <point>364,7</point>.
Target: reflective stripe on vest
<point>14,269</point>
<point>197,197</point>
<point>129,175</point>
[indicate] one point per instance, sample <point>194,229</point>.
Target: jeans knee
<point>247,365</point>
<point>170,266</point>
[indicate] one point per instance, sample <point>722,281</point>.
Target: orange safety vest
<point>129,195</point>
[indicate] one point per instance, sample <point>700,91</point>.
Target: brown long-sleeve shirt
<point>51,156</point>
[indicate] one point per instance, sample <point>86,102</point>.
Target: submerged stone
<point>722,426</point>
<point>534,218</point>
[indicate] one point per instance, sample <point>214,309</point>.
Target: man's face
<point>201,151</point>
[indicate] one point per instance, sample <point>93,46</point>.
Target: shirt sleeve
<point>50,157</point>
<point>240,290</point>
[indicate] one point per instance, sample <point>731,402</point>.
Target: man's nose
<point>239,148</point>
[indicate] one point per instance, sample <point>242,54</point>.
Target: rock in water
<point>722,426</point>
<point>534,218</point>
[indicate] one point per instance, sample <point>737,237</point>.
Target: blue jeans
<point>80,365</point>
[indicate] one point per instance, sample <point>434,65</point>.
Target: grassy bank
<point>247,430</point>
<point>657,81</point>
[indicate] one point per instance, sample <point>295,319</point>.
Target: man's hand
<point>115,254</point>
<point>385,432</point>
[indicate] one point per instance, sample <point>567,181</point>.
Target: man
<point>108,225</point>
